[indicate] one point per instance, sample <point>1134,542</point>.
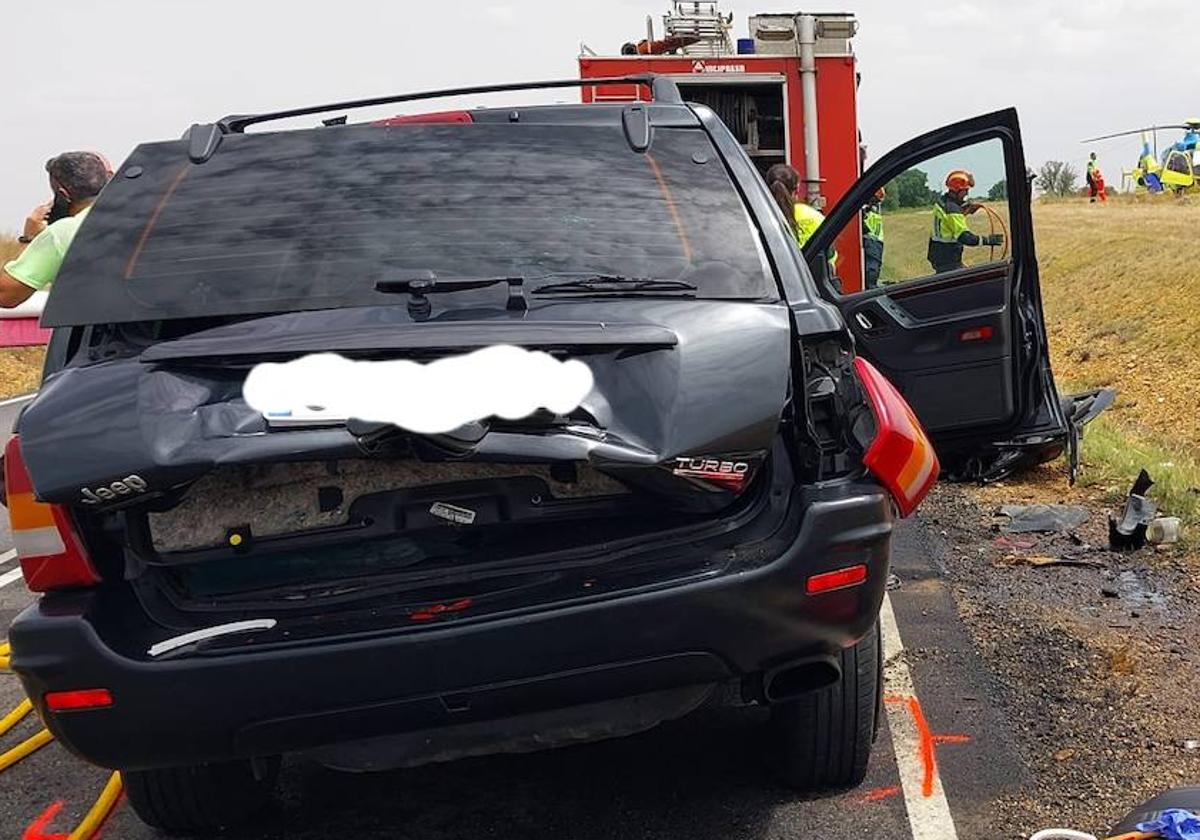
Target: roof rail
<point>663,89</point>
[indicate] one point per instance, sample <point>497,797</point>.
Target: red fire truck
<point>788,92</point>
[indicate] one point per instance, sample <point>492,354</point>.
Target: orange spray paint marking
<point>928,762</point>
<point>879,794</point>
<point>37,828</point>
<point>927,741</point>
<point>951,739</point>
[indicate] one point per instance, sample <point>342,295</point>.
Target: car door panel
<point>966,348</point>
<point>912,332</point>
<point>952,370</point>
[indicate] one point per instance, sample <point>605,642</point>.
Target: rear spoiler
<point>203,139</point>
<point>284,337</point>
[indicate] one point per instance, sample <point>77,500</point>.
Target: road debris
<point>1163,531</point>
<point>1128,532</point>
<point>1015,543</point>
<point>1190,744</point>
<point>1041,561</point>
<point>1081,409</point>
<point>1043,518</point>
<point>1173,824</point>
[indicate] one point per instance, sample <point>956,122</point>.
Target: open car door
<point>948,303</point>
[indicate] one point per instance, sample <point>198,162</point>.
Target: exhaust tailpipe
<point>799,677</point>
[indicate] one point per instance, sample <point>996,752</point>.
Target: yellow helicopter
<point>1177,170</point>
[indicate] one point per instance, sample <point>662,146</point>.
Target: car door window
<point>943,214</point>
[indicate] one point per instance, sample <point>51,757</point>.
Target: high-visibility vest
<point>873,222</point>
<point>808,219</point>
<point>948,224</point>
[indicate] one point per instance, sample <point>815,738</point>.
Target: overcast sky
<point>86,74</point>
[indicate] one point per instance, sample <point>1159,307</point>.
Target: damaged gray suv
<point>712,524</point>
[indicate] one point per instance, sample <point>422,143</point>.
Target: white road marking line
<point>15,400</point>
<point>8,555</point>
<point>928,816</point>
<point>9,576</point>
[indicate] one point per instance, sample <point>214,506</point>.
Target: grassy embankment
<point>1121,288</point>
<point>20,368</point>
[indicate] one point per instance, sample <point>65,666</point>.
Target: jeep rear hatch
<point>304,220</point>
<point>186,275</point>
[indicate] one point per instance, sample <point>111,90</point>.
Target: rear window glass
<point>287,221</point>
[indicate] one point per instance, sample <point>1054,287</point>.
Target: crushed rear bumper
<point>285,697</point>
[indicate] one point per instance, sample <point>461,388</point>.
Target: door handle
<point>869,328</point>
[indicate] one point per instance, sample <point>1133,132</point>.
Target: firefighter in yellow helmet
<point>950,232</point>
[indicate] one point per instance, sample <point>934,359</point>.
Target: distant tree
<point>911,189</point>
<point>999,191</point>
<point>1057,178</point>
<point>891,201</point>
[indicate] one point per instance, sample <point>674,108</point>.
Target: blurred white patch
<point>500,13</point>
<point>502,381</point>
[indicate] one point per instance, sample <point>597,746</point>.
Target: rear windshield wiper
<point>614,284</point>
<point>429,283</point>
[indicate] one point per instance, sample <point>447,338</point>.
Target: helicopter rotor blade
<point>1131,132</point>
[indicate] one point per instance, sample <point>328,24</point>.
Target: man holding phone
<point>76,178</point>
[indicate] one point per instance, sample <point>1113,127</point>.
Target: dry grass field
<point>20,368</point>
<point>1121,288</point>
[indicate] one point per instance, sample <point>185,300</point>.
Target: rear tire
<point>202,798</point>
<point>823,740</point>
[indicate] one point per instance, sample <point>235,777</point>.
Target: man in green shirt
<point>76,178</point>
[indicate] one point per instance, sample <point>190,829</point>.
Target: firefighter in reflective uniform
<point>872,224</point>
<point>950,232</point>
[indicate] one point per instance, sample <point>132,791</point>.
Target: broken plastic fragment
<point>1129,532</point>
<point>1163,531</point>
<point>186,639</point>
<point>1043,518</point>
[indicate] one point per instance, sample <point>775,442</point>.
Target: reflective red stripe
<point>976,334</point>
<point>87,698</point>
<point>837,579</point>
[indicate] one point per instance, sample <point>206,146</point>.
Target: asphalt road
<point>696,778</point>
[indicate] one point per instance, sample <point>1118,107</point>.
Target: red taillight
<point>837,579</point>
<point>424,119</point>
<point>51,553</point>
<point>901,455</point>
<point>87,698</point>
